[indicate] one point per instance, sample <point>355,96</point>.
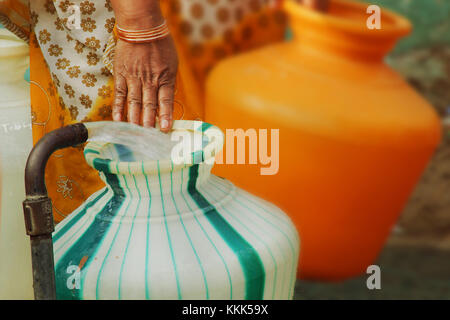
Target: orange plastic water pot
<point>354,137</point>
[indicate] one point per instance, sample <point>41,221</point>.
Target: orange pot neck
<point>343,30</point>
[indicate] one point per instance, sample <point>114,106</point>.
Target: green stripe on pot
<point>293,272</point>
<point>130,234</point>
<point>77,218</point>
<point>174,262</point>
<point>88,243</point>
<point>124,154</point>
<point>198,157</point>
<point>26,77</point>
<point>147,246</point>
<point>205,126</point>
<point>261,240</point>
<point>88,151</point>
<point>207,236</point>
<point>189,237</point>
<point>249,259</point>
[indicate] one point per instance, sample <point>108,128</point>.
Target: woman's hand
<point>144,74</point>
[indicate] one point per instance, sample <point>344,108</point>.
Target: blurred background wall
<point>424,56</point>
<point>430,19</point>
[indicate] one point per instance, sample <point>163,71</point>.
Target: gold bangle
<point>143,36</point>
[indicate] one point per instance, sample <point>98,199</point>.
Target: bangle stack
<point>143,36</point>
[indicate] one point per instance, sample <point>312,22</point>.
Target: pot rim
<point>397,25</point>
<point>93,152</point>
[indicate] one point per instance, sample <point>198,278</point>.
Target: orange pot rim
<point>394,25</point>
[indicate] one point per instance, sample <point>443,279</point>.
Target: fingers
<point>120,96</point>
<point>165,98</point>
<point>150,106</point>
<point>143,101</point>
<point>134,100</point>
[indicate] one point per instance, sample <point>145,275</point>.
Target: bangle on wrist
<point>143,36</point>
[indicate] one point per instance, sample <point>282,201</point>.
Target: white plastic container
<point>166,229</point>
<point>15,145</point>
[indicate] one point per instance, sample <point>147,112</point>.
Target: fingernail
<point>117,116</point>
<point>164,124</point>
<point>134,120</point>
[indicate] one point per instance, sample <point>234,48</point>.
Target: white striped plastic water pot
<point>161,230</point>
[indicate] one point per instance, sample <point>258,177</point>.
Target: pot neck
<point>142,181</point>
<point>154,185</point>
<point>343,30</point>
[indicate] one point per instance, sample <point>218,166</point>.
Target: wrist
<point>141,22</point>
<point>139,17</point>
